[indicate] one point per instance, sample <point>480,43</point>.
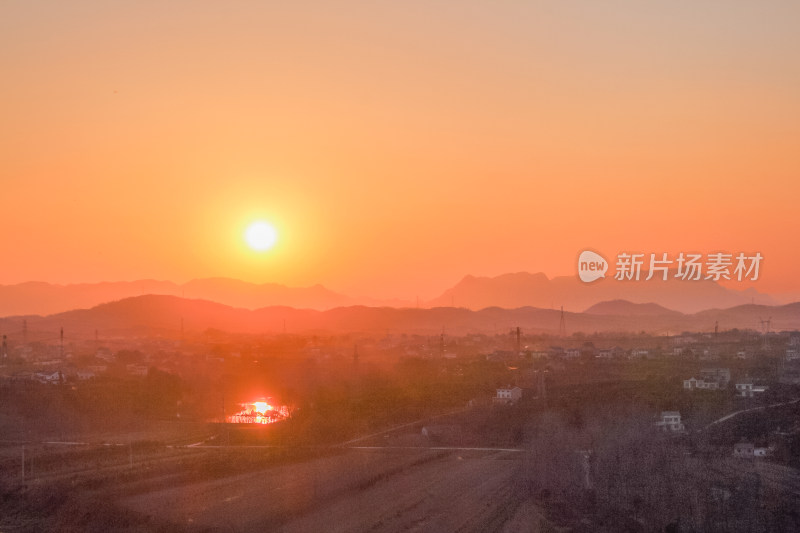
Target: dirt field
<point>359,490</point>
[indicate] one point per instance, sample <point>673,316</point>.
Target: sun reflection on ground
<point>259,412</point>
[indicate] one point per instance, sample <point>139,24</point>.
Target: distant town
<point>625,430</point>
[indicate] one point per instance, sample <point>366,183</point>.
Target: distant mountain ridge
<point>624,307</point>
<point>171,315</point>
<point>39,298</point>
<point>524,289</point>
<point>509,291</point>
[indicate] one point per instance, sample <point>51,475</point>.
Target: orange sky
<point>396,147</point>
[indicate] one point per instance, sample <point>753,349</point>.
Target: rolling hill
<point>168,315</point>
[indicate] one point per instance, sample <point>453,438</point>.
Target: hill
<point>624,307</point>
<point>37,298</point>
<point>170,315</point>
<point>537,290</point>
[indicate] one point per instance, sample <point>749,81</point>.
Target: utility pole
<point>765,330</point>
<point>562,325</point>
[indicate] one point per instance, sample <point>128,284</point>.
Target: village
<point>723,404</point>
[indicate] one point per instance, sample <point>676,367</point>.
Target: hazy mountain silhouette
<point>508,291</point>
<point>537,290</point>
<point>252,296</point>
<point>624,307</point>
<point>37,298</point>
<point>169,315</point>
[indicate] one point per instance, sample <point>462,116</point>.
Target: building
<point>610,353</point>
<point>48,377</point>
<point>605,354</point>
<point>721,375</point>
<point>694,383</point>
<point>792,354</point>
<point>746,450</point>
<point>670,422</point>
<point>508,395</point>
<point>746,389</point>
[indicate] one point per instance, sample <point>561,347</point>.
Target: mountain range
<point>38,298</point>
<point>537,290</point>
<point>170,316</point>
<point>508,291</point>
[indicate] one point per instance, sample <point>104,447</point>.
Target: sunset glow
<point>401,151</point>
<point>451,266</point>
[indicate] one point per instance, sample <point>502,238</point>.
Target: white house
<point>508,395</point>
<point>44,377</point>
<point>746,450</point>
<point>610,353</point>
<point>670,422</point>
<point>747,389</point>
<point>694,383</point>
<point>605,354</point>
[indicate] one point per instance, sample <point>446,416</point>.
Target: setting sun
<point>261,236</point>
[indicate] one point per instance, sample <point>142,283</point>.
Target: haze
<point>397,147</point>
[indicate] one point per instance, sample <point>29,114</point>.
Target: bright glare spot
<point>261,236</point>
<point>260,412</point>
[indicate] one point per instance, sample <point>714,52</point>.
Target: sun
<point>262,407</point>
<point>261,236</point>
